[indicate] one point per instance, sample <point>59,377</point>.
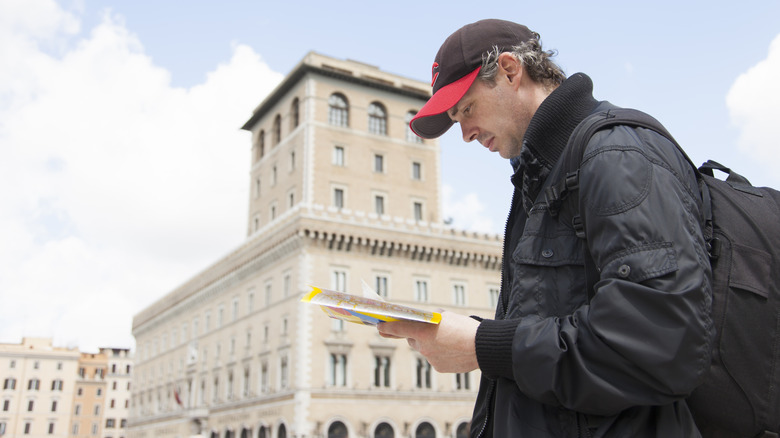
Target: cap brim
<point>432,120</point>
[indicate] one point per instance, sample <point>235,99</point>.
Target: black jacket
<point>556,365</point>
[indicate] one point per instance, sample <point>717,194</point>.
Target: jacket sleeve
<point>645,337</point>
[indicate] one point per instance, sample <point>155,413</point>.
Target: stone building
<point>90,392</point>
<point>37,392</point>
<point>341,193</point>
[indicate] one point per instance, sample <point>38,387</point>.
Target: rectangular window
<point>338,370</point>
<point>379,163</point>
<point>421,291</point>
<point>51,428</point>
<point>416,171</point>
<point>110,423</point>
<point>54,406</point>
<point>458,295</point>
<point>27,427</point>
<point>462,381</point>
<point>30,406</point>
<point>338,156</point>
<point>338,198</point>
<point>6,405</point>
<point>423,377</point>
<point>382,371</point>
<point>379,205</point>
<point>380,286</point>
<point>493,293</point>
<point>338,280</point>
<point>251,301</point>
<point>418,211</point>
<point>264,378</point>
<point>10,383</point>
<point>284,373</point>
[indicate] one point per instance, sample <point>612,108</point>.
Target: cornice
<point>333,230</point>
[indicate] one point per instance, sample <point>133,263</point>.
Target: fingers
<point>401,329</point>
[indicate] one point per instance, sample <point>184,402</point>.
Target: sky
<point>124,171</point>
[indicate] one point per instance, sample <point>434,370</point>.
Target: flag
<point>176,396</point>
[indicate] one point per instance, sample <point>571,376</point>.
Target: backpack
<point>740,395</point>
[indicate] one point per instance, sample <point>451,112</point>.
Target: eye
<point>467,110</point>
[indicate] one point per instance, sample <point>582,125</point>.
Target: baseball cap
<point>457,65</point>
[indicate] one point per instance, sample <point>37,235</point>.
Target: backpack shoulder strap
<point>606,116</point>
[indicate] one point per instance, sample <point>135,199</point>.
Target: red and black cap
<point>457,65</point>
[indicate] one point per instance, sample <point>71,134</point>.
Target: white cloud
<point>467,211</point>
<point>754,106</point>
<point>116,187</point>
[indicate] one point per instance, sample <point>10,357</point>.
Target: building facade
<point>341,193</point>
<point>116,403</point>
<point>59,392</point>
<point>38,388</point>
<point>87,416</point>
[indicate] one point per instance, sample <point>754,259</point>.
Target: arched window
<point>246,433</point>
<point>384,430</point>
<point>277,129</point>
<point>261,433</point>
<point>337,430</point>
<point>338,110</point>
<point>295,114</point>
<point>377,119</point>
<point>462,431</point>
<point>282,432</point>
<point>410,135</point>
<point>260,146</point>
<point>425,430</point>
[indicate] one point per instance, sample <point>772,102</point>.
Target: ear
<point>510,67</point>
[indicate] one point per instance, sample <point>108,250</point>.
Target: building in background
<point>116,403</point>
<point>341,192</point>
<point>60,392</point>
<point>87,417</point>
<point>38,388</point>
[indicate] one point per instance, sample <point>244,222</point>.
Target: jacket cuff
<point>494,347</point>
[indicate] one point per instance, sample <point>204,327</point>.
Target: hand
<point>448,346</point>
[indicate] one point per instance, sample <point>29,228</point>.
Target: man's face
<point>493,115</point>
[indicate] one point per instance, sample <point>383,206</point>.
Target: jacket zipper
<point>501,301</point>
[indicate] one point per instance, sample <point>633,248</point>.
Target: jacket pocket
<point>642,262</point>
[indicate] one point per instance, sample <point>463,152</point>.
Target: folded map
<point>365,310</point>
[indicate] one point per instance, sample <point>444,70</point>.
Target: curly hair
<point>537,63</point>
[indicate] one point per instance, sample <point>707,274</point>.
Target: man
<point>555,363</point>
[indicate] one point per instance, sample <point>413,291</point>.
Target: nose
<point>470,133</point>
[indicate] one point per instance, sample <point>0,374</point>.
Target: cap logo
<point>434,73</point>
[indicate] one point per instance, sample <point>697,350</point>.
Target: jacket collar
<point>556,118</point>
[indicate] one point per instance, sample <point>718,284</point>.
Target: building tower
<point>341,192</point>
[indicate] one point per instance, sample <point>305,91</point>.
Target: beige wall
<point>89,398</point>
<point>36,359</point>
<point>285,347</point>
